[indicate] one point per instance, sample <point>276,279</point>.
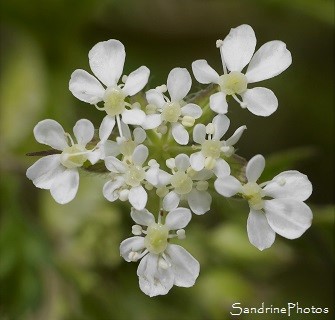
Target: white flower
<point>129,176</point>
<point>59,172</point>
<point>285,214</point>
<point>130,140</point>
<point>106,60</point>
<point>185,184</point>
<point>237,50</point>
<point>163,264</point>
<point>211,149</point>
<point>173,111</point>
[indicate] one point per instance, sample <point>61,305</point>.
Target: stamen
<point>161,88</point>
<point>136,230</point>
<point>70,138</point>
<point>124,78</point>
<point>219,43</point>
<point>99,108</point>
<point>181,234</point>
<point>133,256</point>
<point>188,121</point>
<point>222,60</point>
<point>119,125</point>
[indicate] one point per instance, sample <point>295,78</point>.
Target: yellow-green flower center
<point>254,194</point>
<point>181,182</point>
<point>73,157</point>
<point>171,112</point>
<point>156,238</point>
<point>114,101</point>
<point>134,176</point>
<point>211,148</point>
<point>233,83</point>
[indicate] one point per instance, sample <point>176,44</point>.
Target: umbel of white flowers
<point>164,149</point>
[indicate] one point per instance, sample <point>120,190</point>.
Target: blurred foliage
<point>62,262</point>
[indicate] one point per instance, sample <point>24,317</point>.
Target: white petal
<point>154,280</point>
<point>115,165</point>
<point>171,201</point>
<point>65,186</point>
<point>192,110</point>
<point>140,154</point>
<point>185,268</point>
<point>96,155</point>
<point>221,169</point>
<point>289,184</point>
<point>151,121</point>
<point>125,130</point>
<point>110,148</point>
<point>51,133</point>
<point>138,197</point>
<point>271,59</point>
<point>199,133</point>
<point>197,161</point>
<point>218,103</point>
<point>136,81</point>
<point>203,174</point>
<point>83,131</point>
<point>221,124</point>
<point>178,218</point>
<point>236,136</point>
<point>133,116</point>
<point>180,134</point>
<point>139,135</point>
<point>106,127</point>
<point>129,245</point>
<point>259,232</point>
<point>45,170</point>
<point>110,187</point>
<point>260,101</point>
<point>204,73</point>
<point>179,83</point>
<point>155,97</point>
<point>182,162</point>
<point>227,186</point>
<point>106,60</point>
<point>152,175</point>
<point>163,178</point>
<point>255,167</point>
<point>85,87</point>
<point>238,47</point>
<point>142,217</point>
<point>199,201</point>
<point>288,217</point>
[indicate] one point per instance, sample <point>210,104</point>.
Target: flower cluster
<point>166,152</point>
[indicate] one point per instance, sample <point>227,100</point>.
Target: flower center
<point>254,194</point>
<point>74,156</point>
<point>211,148</point>
<point>114,101</point>
<point>134,176</point>
<point>233,83</point>
<point>181,182</point>
<point>156,238</point>
<point>171,112</point>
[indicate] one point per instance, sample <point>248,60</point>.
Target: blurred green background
<point>62,262</point>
